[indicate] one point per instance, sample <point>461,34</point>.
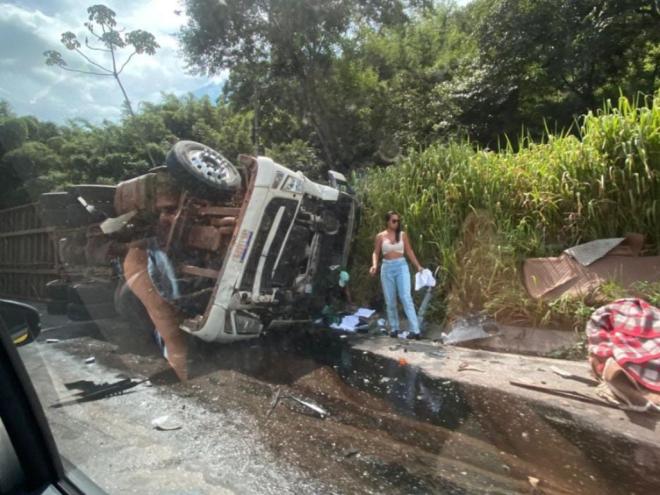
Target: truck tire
<point>86,293</point>
<point>57,290</point>
<point>87,312</point>
<point>56,307</point>
<point>202,170</point>
<point>129,307</point>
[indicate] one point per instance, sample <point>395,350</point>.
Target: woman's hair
<point>389,215</point>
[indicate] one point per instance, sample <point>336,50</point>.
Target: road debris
<point>350,452</point>
<point>569,394</point>
<point>570,376</point>
<point>274,402</point>
<point>52,341</point>
<point>90,391</point>
<point>90,360</point>
<point>534,482</point>
<point>317,409</point>
<point>467,367</point>
<point>165,423</point>
<point>277,396</point>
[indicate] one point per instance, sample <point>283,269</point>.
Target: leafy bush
<point>479,213</point>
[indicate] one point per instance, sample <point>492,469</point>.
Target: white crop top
<point>389,247</point>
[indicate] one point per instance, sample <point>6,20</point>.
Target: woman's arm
<point>409,252</point>
<point>375,256</point>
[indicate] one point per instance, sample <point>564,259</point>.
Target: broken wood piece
<point>200,272</point>
<point>274,402</point>
<point>569,394</point>
<point>467,367</point>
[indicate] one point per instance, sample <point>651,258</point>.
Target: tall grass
<point>479,213</point>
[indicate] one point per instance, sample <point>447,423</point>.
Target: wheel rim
<point>212,167</point>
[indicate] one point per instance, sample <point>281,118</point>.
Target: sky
<point>29,27</point>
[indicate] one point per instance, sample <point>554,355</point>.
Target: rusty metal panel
<point>28,258</point>
<point>204,237</point>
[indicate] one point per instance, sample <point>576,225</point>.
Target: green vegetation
<point>411,97</point>
<point>479,213</point>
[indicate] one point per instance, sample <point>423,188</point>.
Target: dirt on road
<point>298,411</point>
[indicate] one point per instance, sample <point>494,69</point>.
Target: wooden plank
<point>28,271</point>
<point>17,233</point>
<point>200,272</point>
<point>219,211</point>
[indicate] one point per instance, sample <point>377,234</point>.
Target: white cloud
<point>30,86</point>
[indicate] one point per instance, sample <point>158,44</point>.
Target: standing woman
<point>392,243</point>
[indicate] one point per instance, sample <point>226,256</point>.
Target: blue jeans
<point>395,278</point>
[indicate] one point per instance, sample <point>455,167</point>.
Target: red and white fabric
<point>629,331</point>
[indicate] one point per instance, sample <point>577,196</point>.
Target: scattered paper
<point>364,313</point>
<point>348,324</point>
<point>424,279</point>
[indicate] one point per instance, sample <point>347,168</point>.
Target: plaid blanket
<point>629,331</point>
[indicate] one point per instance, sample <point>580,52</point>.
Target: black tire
<point>202,170</point>
<point>87,312</point>
<point>57,290</point>
<point>91,293</point>
<point>56,307</point>
<point>77,312</point>
<point>129,307</point>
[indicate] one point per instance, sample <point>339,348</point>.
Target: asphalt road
<point>385,428</point>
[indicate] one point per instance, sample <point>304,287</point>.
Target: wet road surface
<point>385,427</point>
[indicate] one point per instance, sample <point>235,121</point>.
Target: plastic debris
<point>534,481</point>
<point>52,341</point>
<point>165,423</point>
<point>90,360</point>
<point>349,452</point>
<point>403,362</point>
<point>317,409</point>
<point>470,328</point>
<point>468,367</point>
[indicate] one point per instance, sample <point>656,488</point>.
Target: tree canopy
<point>348,84</point>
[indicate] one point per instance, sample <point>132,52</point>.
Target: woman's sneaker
<point>394,334</point>
<point>413,336</point>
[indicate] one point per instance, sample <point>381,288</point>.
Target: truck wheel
<point>91,293</point>
<point>87,312</point>
<point>56,307</point>
<point>202,169</point>
<point>57,290</point>
<point>129,307</point>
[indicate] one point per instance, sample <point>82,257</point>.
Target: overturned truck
<point>230,247</point>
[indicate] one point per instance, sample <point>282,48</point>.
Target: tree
<point>559,59</point>
<point>102,26</point>
<point>281,51</point>
<point>13,132</point>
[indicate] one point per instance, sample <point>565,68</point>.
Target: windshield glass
<point>305,246</point>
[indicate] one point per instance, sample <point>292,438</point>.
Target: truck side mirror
<point>20,321</point>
